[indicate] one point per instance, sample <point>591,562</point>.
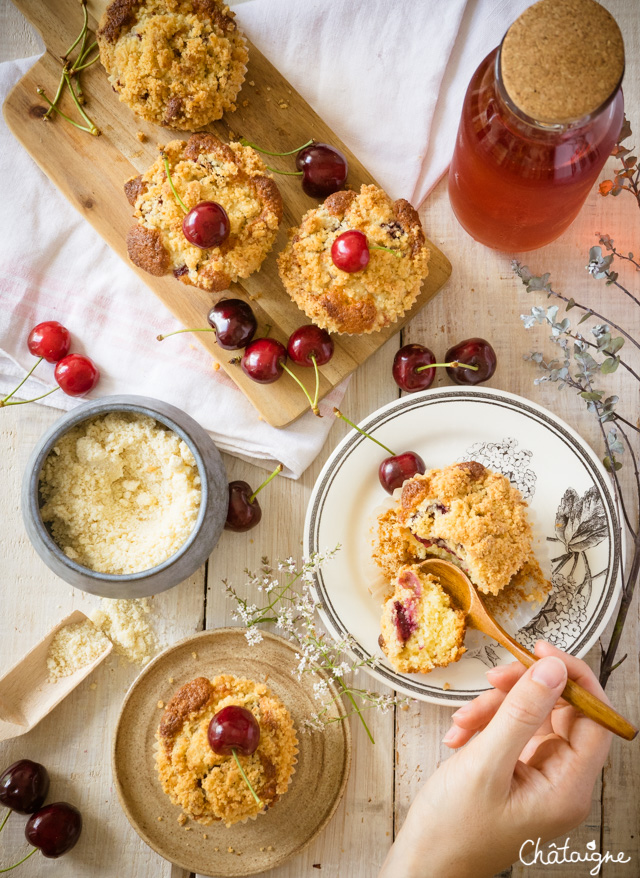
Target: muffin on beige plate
<point>466,514</point>
<point>208,786</point>
<point>362,301</point>
<point>204,169</point>
<point>178,63</point>
<point>420,630</point>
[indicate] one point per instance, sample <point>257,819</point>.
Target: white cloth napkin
<point>388,77</point>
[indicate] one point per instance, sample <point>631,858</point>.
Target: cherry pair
<point>471,361</point>
<point>53,829</point>
<point>74,373</point>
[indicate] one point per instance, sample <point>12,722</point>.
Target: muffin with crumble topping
<point>420,630</point>
<point>202,169</point>
<point>179,63</point>
<point>356,302</point>
<point>208,786</point>
<point>466,514</point>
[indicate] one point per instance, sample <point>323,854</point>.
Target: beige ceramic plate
<point>293,822</point>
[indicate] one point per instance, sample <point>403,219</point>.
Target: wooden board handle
<point>578,697</point>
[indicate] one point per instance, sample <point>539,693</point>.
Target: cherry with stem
<point>244,511</point>
<point>48,341</point>
<point>350,251</point>
<point>395,469</point>
<point>231,320</point>
<point>323,168</point>
<point>207,224</point>
<point>234,730</point>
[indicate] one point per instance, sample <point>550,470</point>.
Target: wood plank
<point>90,172</point>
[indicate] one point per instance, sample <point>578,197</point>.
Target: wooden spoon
<point>26,693</point>
<point>465,597</point>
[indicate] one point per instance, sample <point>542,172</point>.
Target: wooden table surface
<point>482,298</point>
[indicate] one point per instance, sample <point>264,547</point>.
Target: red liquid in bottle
<point>515,184</point>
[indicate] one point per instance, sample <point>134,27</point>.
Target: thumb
<point>523,711</point>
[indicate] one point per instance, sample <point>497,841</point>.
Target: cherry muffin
<point>365,300</point>
<point>209,786</point>
<point>178,63</point>
<point>203,169</point>
<point>420,629</point>
<point>463,513</point>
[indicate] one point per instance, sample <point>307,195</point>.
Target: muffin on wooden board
<point>208,786</point>
<point>362,301</point>
<point>466,514</point>
<point>204,169</point>
<point>179,63</point>
<point>420,630</point>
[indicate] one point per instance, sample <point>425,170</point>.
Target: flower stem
<point>25,401</point>
<point>346,691</point>
<point>30,854</point>
<point>30,372</point>
<point>245,778</point>
<point>178,331</point>
<point>6,817</point>
<point>173,188</point>
<point>456,364</point>
<point>312,403</point>
<point>339,414</point>
<point>246,142</point>
<point>277,470</point>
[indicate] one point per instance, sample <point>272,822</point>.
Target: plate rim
<point>378,418</point>
<point>184,642</point>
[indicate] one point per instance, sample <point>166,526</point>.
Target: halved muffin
<point>207,785</point>
<point>421,630</point>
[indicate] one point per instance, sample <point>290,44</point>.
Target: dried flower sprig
<point>580,366</point>
<point>290,605</point>
<point>628,176</point>
<point>70,77</point>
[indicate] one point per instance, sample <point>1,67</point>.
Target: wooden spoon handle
<point>578,697</point>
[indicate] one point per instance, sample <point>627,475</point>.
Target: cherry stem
<point>6,817</point>
<point>173,188</point>
<point>178,331</point>
<point>245,778</point>
<point>277,470</point>
<point>52,106</point>
<point>29,373</point>
<point>92,129</point>
<point>246,142</point>
<point>339,414</point>
<point>82,33</point>
<point>286,173</point>
<point>25,401</point>
<point>313,403</point>
<point>30,854</point>
<point>455,365</point>
<point>388,249</point>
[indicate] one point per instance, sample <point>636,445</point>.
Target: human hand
<point>528,773</point>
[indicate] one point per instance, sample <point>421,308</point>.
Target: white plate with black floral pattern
<point>577,539</point>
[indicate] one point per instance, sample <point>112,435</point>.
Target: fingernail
<point>461,711</point>
<point>451,734</point>
<point>550,672</point>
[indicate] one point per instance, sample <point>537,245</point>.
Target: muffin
<point>463,513</point>
<point>178,63</point>
<point>367,300</point>
<point>204,169</point>
<point>209,787</point>
<point>420,629</point>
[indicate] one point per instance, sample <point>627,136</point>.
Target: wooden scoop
<point>465,597</point>
<point>27,695</point>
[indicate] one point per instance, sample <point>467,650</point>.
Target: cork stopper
<point>562,59</point>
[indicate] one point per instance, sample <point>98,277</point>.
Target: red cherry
<point>405,368</point>
<point>234,322</point>
<point>324,169</point>
<point>50,340</point>
<point>54,829</point>
<point>310,341</point>
<point>234,728</point>
<point>350,251</point>
<point>76,375</point>
<point>471,352</point>
<point>394,471</point>
<point>206,225</point>
<point>243,513</point>
<point>24,786</point>
<point>263,360</point>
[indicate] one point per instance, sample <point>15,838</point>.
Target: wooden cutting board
<point>90,172</point>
